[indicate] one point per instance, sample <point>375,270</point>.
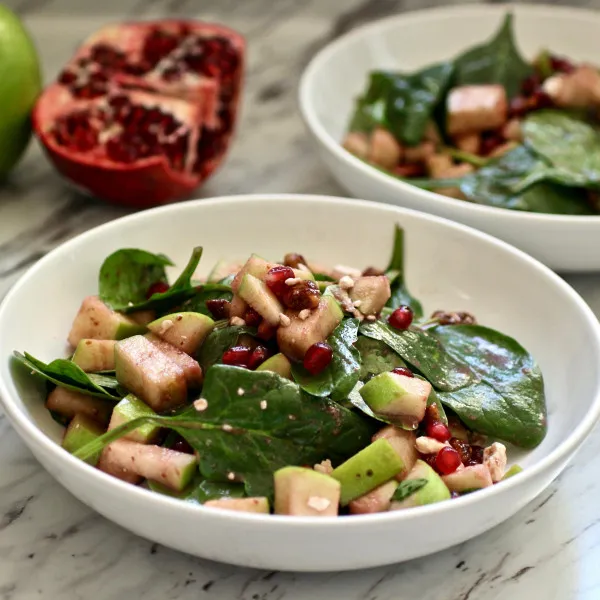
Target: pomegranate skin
<point>150,180</point>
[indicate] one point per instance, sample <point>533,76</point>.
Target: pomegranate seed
<point>266,332</point>
<point>447,460</point>
<point>275,279</point>
<point>438,431</point>
<point>476,455</point>
<point>401,318</point>
<point>540,100</point>
<point>490,142</point>
<point>304,294</point>
<point>463,448</point>
<point>294,260</point>
<point>160,287</point>
<point>259,355</point>
<point>67,77</point>
<point>238,356</point>
<point>561,65</point>
<point>219,308</point>
<point>252,318</point>
<point>317,358</point>
<point>403,371</point>
<point>182,446</point>
<point>531,84</point>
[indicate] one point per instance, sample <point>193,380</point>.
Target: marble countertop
<point>52,546</point>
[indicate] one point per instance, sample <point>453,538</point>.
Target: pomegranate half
<point>144,112</point>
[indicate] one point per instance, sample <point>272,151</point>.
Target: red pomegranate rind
<point>144,112</point>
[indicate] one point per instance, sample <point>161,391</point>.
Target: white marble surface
<point>52,546</point>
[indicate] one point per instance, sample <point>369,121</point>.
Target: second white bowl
<point>338,74</point>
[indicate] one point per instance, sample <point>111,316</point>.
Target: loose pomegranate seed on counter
<point>401,318</point>
<point>317,358</point>
<point>447,460</point>
<point>258,356</point>
<point>403,371</point>
<point>160,287</point>
<point>463,448</point>
<point>438,431</point>
<point>252,318</point>
<point>294,260</point>
<point>237,356</point>
<point>303,295</point>
<point>276,277</point>
<point>219,308</point>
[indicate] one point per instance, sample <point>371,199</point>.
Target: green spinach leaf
<point>127,274</point>
<point>408,488</point>
<point>271,423</point>
<point>395,272</point>
<point>495,61</point>
<point>495,184</point>
<point>338,379</point>
<point>402,103</point>
<point>181,290</point>
<point>200,490</point>
<point>423,352</point>
<point>223,336</point>
<point>508,402</point>
<point>67,374</point>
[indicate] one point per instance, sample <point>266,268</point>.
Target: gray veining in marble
<point>52,546</point>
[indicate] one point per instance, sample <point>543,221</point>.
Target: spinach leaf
<point>376,357</point>
<point>203,293</point>
<point>402,103</point>
<point>509,401</point>
<point>338,379</point>
<point>271,424</point>
<point>395,272</point>
<point>200,490</point>
<point>496,61</point>
<point>407,488</point>
<point>67,374</point>
<point>424,352</point>
<point>568,143</point>
<point>223,336</point>
<point>126,276</point>
<point>181,290</point>
<point>495,185</point>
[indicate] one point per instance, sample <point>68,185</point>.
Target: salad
<point>488,127</point>
<point>288,387</point>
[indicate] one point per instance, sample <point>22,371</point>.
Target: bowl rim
<point>30,432</point>
<point>417,17</point>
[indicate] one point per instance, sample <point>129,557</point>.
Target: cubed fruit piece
<point>69,404</point>
<point>238,307</point>
<point>295,339</point>
<point>397,398</point>
<point>363,472</point>
<point>95,355</point>
<point>256,293</point>
<point>143,317</point>
<point>372,293</point>
<point>149,373</point>
<point>111,462</point>
<point>377,500</point>
<point>514,470</point>
<point>128,409</point>
<point>435,490</point>
<point>259,505</point>
<point>82,431</point>
<point>403,443</point>
<point>475,108</point>
<point>185,330</point>
<point>96,321</point>
<point>475,477</point>
<point>256,266</point>
<point>169,467</point>
<point>278,364</point>
<point>191,367</point>
<point>305,493</point>
<point>223,269</point>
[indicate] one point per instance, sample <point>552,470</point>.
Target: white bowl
<point>449,266</point>
<point>338,73</point>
